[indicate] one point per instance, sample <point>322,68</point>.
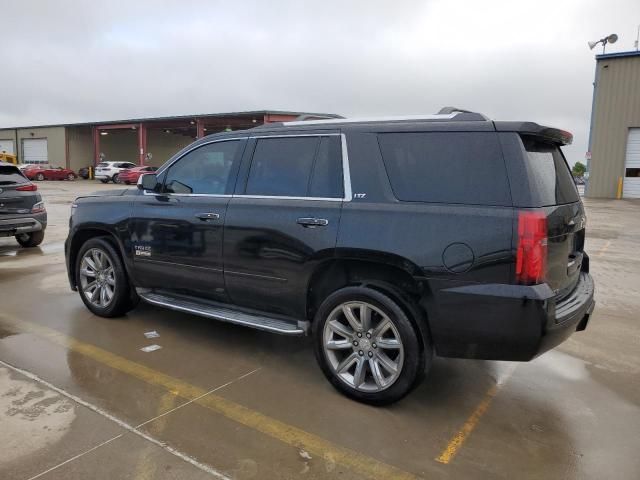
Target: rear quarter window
<point>549,176</point>
<point>446,167</point>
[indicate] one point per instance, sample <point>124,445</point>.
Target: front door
<point>283,220</point>
<point>176,231</point>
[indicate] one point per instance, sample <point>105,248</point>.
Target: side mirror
<point>148,181</point>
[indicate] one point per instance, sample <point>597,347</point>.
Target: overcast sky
<point>65,61</point>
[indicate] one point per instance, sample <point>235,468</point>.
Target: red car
<point>38,172</point>
<point>131,175</point>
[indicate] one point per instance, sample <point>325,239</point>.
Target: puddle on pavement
<point>17,251</point>
<point>32,417</point>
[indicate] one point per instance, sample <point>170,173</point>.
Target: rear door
<point>552,188</point>
<point>283,220</point>
<point>176,231</point>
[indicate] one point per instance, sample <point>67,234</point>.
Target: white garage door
<point>34,150</point>
<point>6,146</point>
<point>631,187</point>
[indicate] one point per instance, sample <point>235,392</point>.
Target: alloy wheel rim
<point>97,277</point>
<point>363,346</point>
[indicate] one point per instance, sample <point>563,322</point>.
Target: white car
<point>106,171</point>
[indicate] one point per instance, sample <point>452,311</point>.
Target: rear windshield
<point>548,173</point>
<point>452,167</point>
<point>10,175</point>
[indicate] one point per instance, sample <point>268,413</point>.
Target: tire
<point>116,178</point>
<point>30,240</point>
<point>40,177</point>
<point>354,349</point>
<point>112,277</point>
<point>71,177</point>
<point>104,180</point>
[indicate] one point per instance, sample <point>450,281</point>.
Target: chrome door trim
<point>346,172</point>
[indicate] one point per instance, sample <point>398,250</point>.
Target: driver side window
<point>205,170</point>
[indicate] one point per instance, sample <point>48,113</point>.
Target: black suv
<point>22,211</point>
<point>388,240</point>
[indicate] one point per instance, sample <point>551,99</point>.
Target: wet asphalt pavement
<point>79,399</point>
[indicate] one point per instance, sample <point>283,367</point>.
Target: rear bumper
<point>508,322</point>
<point>10,227</point>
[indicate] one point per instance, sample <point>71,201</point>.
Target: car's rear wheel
<point>40,177</point>
<point>116,178</point>
<point>367,347</point>
<point>104,180</point>
<point>71,176</point>
<point>30,240</point>
<point>102,280</point>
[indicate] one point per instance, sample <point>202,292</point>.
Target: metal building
<point>145,141</point>
<point>614,167</point>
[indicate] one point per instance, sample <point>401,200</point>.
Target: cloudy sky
<point>71,61</point>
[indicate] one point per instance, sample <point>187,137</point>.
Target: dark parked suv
<point>387,240</point>
<point>22,211</point>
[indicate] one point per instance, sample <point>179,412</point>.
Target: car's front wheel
<point>367,347</point>
<point>71,176</point>
<point>116,178</point>
<point>30,240</point>
<point>40,177</point>
<point>102,280</point>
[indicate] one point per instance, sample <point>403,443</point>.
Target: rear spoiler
<point>555,135</point>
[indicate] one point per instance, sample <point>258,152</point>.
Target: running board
<point>217,311</point>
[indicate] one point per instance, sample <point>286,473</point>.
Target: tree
<point>578,169</point>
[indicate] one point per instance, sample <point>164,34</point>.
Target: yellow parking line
<point>603,249</point>
<point>459,438</point>
<point>288,434</point>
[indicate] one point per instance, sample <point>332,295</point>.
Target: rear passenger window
<point>296,167</point>
<point>456,167</point>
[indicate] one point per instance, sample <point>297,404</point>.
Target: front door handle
<point>207,217</point>
<point>313,222</point>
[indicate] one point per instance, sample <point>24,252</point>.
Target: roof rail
<point>453,115</point>
<point>456,110</point>
<point>307,116</point>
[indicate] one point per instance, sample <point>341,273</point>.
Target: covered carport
<point>153,141</point>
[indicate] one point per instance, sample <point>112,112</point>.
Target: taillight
<point>531,254</point>
<point>38,208</point>
<point>29,187</point>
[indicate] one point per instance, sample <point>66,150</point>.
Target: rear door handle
<point>313,222</point>
<point>206,217</point>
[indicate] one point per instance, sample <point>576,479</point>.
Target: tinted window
<point>282,166</point>
<point>326,179</point>
<point>11,175</point>
<point>204,170</point>
<point>549,175</point>
<point>453,167</point>
<point>103,164</point>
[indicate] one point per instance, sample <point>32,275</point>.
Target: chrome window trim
<point>346,172</point>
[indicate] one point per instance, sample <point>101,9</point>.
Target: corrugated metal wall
<point>617,108</point>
